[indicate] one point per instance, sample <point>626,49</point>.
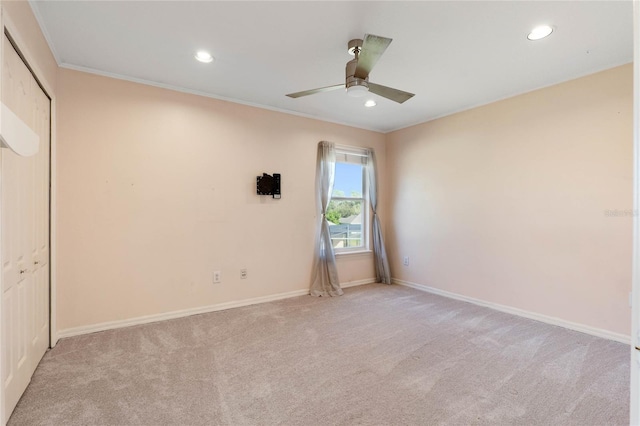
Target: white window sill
<point>354,253</point>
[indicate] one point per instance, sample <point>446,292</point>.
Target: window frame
<point>346,152</point>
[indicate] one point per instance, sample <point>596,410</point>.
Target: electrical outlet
<point>243,274</point>
<point>405,261</point>
<point>217,277</point>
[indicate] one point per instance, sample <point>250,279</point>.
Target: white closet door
<point>40,235</point>
<point>24,188</point>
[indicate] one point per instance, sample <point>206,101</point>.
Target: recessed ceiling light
<point>370,103</point>
<point>539,32</point>
<point>203,56</point>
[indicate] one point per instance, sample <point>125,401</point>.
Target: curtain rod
<point>353,150</point>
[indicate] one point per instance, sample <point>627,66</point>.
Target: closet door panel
<point>17,279</point>
<point>40,236</point>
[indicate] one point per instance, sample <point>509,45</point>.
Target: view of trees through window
<point>345,211</point>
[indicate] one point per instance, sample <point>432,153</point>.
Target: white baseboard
<point>111,325</point>
<point>521,313</point>
<point>358,282</point>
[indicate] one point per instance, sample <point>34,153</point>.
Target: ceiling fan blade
<point>314,91</point>
<point>387,92</point>
<point>373,47</point>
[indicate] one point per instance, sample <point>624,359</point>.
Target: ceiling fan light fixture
<point>357,91</point>
<point>203,56</point>
<point>540,32</point>
<point>370,103</point>
<point>357,87</point>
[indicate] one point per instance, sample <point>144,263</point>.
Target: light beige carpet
<point>379,355</point>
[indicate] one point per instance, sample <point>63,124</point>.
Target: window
<point>348,211</point>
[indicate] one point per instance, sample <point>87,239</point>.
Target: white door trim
<point>2,397</point>
<point>634,415</point>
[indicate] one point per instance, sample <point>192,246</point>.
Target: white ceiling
<point>453,55</point>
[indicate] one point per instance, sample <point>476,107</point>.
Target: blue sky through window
<point>348,179</point>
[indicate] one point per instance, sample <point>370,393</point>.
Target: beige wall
<point>157,190</point>
<point>506,203</point>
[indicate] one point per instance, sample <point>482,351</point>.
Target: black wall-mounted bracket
<point>268,185</point>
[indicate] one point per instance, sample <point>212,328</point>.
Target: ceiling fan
<point>366,52</point>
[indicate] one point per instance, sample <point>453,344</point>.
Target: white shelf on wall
<point>16,135</point>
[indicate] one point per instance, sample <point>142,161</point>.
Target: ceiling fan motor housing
<point>355,86</point>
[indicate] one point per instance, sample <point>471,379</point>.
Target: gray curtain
<point>383,275</point>
<point>324,281</point>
